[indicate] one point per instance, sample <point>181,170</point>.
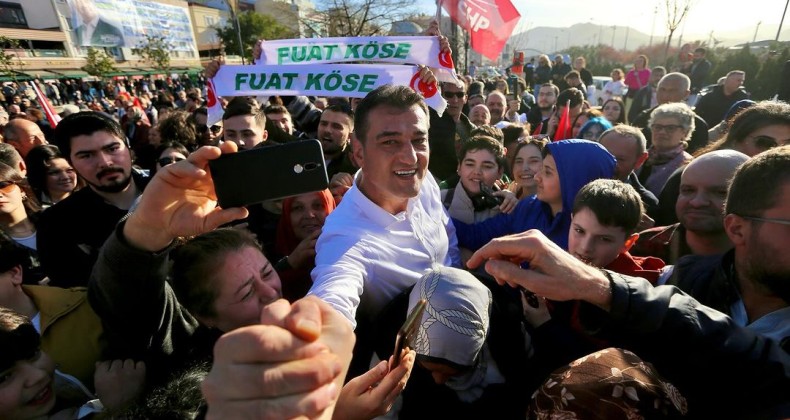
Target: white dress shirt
<point>366,256</point>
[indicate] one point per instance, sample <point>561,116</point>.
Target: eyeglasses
<point>168,160</point>
<point>767,220</point>
<point>669,128</point>
<point>7,186</point>
<point>202,128</point>
<point>448,95</point>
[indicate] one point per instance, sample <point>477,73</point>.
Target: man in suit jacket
<point>92,29</point>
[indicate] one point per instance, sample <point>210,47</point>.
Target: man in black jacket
<point>713,106</point>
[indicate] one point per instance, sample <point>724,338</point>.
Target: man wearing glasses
<point>207,136</point>
<point>751,282</point>
<point>455,95</point>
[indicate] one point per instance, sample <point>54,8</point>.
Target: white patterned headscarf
<point>455,326</point>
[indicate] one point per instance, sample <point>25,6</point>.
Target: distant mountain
<point>549,39</point>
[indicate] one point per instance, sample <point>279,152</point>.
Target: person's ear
<point>356,151</point>
<point>629,243</point>
<point>16,275</point>
<point>265,135</point>
<point>641,160</point>
<point>736,228</point>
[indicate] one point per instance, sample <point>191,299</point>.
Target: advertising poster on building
<point>124,23</point>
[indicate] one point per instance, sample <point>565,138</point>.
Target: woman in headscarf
<point>471,346</point>
<point>297,232</point>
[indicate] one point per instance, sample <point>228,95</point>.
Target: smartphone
<point>407,331</point>
<point>268,173</point>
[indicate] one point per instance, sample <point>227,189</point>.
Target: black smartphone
<point>268,173</point>
<point>487,194</point>
<point>407,331</point>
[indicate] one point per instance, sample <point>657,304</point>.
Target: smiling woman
<point>300,224</point>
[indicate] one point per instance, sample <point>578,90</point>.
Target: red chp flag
<point>49,111</point>
<point>489,22</point>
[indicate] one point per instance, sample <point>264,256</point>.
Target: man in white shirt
<point>391,227</point>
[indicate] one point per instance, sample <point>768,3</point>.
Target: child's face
<point>478,165</point>
<point>592,242</point>
<point>26,388</point>
<point>548,181</point>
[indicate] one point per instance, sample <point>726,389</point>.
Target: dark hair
<point>276,109</point>
<point>552,86</point>
<point>756,185</point>
<point>749,120</point>
<point>8,173</point>
<point>243,106</point>
<point>13,254</point>
<point>400,97</point>
<point>490,131</point>
<point>85,123</point>
<point>177,146</point>
<point>9,155</point>
<point>18,338</point>
<point>484,143</point>
<point>179,398</point>
<point>38,163</point>
<point>618,101</point>
<point>572,74</point>
<point>614,203</point>
<point>701,50</point>
<point>178,126</point>
<point>571,94</point>
<point>199,111</point>
<point>196,267</point>
<point>342,109</point>
<point>513,132</point>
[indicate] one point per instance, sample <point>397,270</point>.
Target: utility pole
<point>625,45</point>
<point>755,31</point>
<point>779,31</point>
<point>653,31</point>
<point>614,29</point>
<point>235,16</point>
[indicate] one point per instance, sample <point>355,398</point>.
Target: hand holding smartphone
<point>407,331</point>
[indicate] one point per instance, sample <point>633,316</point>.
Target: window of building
<point>12,16</point>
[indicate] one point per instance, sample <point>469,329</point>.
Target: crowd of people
<point>578,261</point>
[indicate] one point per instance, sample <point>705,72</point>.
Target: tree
<point>362,17</point>
<point>677,10</point>
<point>155,51</point>
<point>99,63</point>
<point>254,26</point>
<point>9,62</point>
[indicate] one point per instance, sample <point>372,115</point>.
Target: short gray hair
<point>679,111</point>
<point>686,82</point>
<point>628,131</point>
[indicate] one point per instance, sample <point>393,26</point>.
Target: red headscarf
<point>286,239</point>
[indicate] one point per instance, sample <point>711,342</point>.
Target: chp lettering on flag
<point>489,22</point>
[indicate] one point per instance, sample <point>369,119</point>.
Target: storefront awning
<point>77,74</point>
<point>42,74</point>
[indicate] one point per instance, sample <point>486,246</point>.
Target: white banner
<point>349,80</point>
<point>423,50</point>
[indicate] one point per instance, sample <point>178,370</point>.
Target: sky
<point>705,15</point>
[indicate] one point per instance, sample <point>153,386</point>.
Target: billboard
<point>124,23</point>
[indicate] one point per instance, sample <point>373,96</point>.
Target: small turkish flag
<point>489,22</point>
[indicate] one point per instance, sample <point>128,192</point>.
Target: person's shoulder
<point>68,206</point>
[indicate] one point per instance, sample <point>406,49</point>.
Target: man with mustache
<point>71,233</point>
<point>751,282</point>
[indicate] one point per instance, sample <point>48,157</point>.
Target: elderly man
<point>700,231</point>
<point>497,104</point>
<point>713,106</point>
<point>628,145</point>
<point>674,87</point>
<point>24,135</point>
<point>479,115</point>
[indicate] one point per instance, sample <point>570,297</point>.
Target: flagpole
<point>235,17</point>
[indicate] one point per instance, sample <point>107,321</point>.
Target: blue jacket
<point>578,163</point>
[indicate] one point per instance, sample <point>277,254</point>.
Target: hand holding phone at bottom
<point>372,393</point>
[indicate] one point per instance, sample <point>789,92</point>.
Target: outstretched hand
<point>180,201</point>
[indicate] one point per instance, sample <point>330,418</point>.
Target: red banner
<point>52,116</point>
<point>489,22</point>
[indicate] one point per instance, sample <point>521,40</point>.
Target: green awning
<point>77,74</point>
<point>130,72</point>
<point>42,74</point>
<point>14,76</point>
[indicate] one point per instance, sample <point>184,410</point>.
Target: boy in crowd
<point>606,214</point>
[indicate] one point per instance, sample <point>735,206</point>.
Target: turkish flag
<point>489,22</point>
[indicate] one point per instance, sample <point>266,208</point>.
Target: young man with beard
<point>334,133</point>
<point>547,99</point>
<point>71,233</point>
<point>750,283</point>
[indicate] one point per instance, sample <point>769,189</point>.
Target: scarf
<point>656,158</point>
